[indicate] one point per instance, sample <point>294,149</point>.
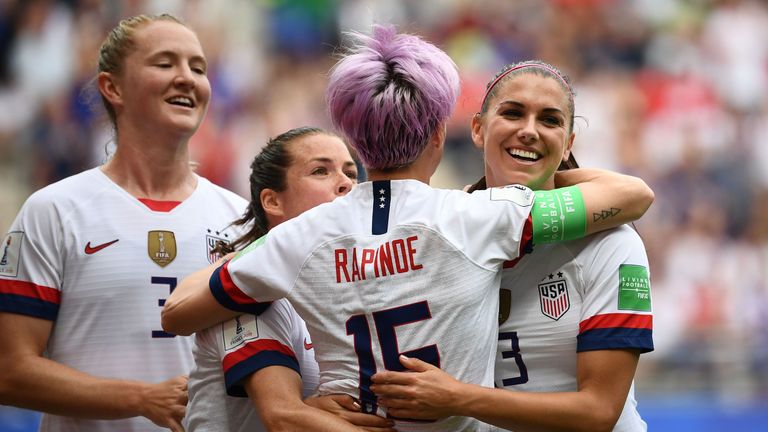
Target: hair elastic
<point>526,65</point>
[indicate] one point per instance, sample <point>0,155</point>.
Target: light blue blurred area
<point>18,420</point>
<point>663,413</point>
<point>701,413</point>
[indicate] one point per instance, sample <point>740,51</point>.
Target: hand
<point>165,403</point>
<point>424,393</point>
<point>225,258</point>
<point>347,408</point>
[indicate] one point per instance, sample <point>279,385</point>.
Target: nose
<point>528,133</point>
<point>185,77</point>
<point>345,185</point>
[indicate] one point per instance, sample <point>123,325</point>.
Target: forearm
<point>307,418</point>
<point>610,199</point>
<point>528,411</point>
<point>191,307</point>
<point>276,394</point>
<point>41,384</point>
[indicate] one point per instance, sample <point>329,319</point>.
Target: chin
<point>515,178</point>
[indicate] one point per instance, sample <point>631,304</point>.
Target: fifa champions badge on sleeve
<point>10,254</point>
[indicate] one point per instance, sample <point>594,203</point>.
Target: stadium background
<point>674,91</point>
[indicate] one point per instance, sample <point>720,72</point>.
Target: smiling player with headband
<point>574,317</point>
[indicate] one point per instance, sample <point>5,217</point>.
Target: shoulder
<point>609,252</point>
<point>71,192</point>
<point>213,189</point>
<point>613,240</point>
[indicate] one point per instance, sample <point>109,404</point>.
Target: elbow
<point>280,420</point>
<point>171,322</point>
<point>643,197</point>
<point>6,391</point>
<point>9,387</point>
<point>602,421</point>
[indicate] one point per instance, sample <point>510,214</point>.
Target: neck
<point>149,167</point>
<point>405,173</point>
<point>421,169</point>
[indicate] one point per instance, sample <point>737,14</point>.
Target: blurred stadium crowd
<point>673,91</point>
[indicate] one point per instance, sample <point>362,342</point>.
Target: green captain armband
<point>558,215</point>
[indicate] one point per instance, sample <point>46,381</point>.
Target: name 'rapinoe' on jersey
<point>396,256</point>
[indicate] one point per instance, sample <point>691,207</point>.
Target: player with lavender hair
<point>396,267</point>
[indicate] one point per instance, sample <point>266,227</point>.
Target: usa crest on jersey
<point>210,243</point>
<point>553,297</point>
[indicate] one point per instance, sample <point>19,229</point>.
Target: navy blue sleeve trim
<point>235,375</point>
<point>615,338</point>
<point>221,296</point>
<point>24,305</point>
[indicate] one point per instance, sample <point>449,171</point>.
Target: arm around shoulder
<point>610,199</point>
<point>192,307</point>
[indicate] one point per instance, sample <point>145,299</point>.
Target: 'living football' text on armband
<point>558,215</point>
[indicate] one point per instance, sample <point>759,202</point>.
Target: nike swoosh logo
<point>92,250</point>
<point>308,346</point>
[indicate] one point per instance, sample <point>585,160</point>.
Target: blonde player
<point>93,257</point>
<point>574,316</point>
<point>270,357</point>
<point>397,267</point>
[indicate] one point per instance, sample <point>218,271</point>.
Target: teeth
<point>181,100</point>
<point>524,154</point>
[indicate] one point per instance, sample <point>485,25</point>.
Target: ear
<point>478,132</point>
<point>109,88</point>
<point>437,140</point>
<point>272,204</point>
<point>568,147</point>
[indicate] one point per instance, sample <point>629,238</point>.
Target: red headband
<point>525,65</point>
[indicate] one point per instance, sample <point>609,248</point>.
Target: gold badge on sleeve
<point>161,247</point>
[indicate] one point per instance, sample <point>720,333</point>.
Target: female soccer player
<point>574,316</point>
<point>270,358</point>
<point>93,257</point>
<point>397,267</point>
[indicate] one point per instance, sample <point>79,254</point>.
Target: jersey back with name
<point>99,264</point>
<point>394,268</point>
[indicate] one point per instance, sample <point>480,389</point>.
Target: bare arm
<point>610,199</point>
<point>346,407</point>
<point>29,380</point>
<point>604,379</point>
<point>276,394</point>
<point>191,307</point>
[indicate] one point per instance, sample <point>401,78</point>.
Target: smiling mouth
<point>181,101</point>
<point>524,155</point>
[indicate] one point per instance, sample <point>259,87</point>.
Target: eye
<point>320,171</point>
<point>200,70</point>
<point>163,65</point>
<point>352,175</point>
<point>512,113</point>
<point>552,120</point>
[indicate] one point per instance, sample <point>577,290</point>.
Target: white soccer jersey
<point>227,353</point>
<point>99,263</point>
<point>584,295</point>
<point>393,267</point>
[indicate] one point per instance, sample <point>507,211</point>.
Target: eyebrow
<point>328,160</point>
<point>169,53</point>
<point>522,105</point>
